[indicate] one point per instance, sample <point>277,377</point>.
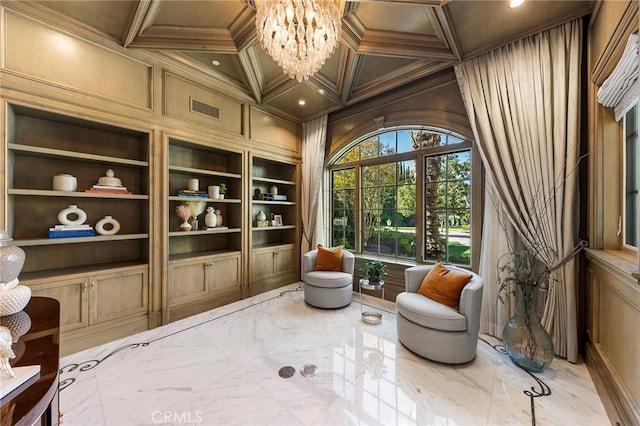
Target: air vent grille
<point>205,109</point>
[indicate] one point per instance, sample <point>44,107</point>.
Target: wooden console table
<point>36,401</point>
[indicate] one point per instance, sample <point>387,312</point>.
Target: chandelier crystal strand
<point>298,34</point>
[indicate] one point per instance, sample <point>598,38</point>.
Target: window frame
<point>623,186</point>
<point>418,156</point>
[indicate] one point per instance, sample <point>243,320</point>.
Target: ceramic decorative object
<point>525,339</point>
<point>218,218</point>
<point>6,353</point>
<point>210,219</point>
<point>214,191</point>
<point>63,216</point>
<point>112,226</point>
<point>18,323</point>
<point>261,216</point>
<point>109,179</point>
<point>65,182</point>
<point>13,297</point>
<point>273,190</point>
<point>184,213</point>
<point>194,185</point>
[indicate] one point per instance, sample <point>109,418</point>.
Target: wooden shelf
<point>191,170</point>
<point>269,180</point>
<point>272,228</point>
<point>208,200</point>
<point>73,240</point>
<point>80,156</point>
<point>74,194</point>
<point>280,203</point>
<point>204,232</point>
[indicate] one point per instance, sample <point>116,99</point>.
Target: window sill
<point>620,262</point>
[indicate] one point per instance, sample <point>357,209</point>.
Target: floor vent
<point>205,109</point>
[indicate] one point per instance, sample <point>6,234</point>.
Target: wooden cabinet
<point>275,259</point>
<point>88,302</point>
<point>204,282</point>
<point>272,266</point>
<point>194,255</point>
<point>98,278</point>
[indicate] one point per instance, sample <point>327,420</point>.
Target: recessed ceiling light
<point>321,91</point>
<point>215,62</point>
<point>515,3</point>
<point>302,102</point>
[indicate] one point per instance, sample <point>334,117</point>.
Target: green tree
<point>434,249</point>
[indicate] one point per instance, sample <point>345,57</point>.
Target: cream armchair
<point>328,289</point>
<point>435,331</point>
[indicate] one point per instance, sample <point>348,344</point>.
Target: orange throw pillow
<point>329,258</point>
<point>444,285</point>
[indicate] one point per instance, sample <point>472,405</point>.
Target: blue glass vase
<point>525,339</point>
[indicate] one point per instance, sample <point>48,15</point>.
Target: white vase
<point>63,216</point>
<point>218,218</point>
<point>214,191</point>
<point>261,216</point>
<point>107,220</point>
<point>210,219</point>
<point>185,226</point>
<point>65,182</point>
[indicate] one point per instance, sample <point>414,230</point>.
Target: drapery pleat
<point>314,135</point>
<point>523,104</point>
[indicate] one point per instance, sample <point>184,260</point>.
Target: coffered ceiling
<point>385,43</point>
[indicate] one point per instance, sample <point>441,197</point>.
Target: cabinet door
<point>284,260</point>
<point>118,294</point>
<point>226,275</point>
<point>188,280</point>
<point>262,265</point>
<point>73,295</point>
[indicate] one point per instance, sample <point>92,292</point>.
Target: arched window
<point>403,192</point>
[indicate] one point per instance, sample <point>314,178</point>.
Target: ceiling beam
<point>217,40</point>
<point>252,71</point>
<point>441,23</point>
<point>243,29</point>
<point>403,45</point>
<point>141,19</point>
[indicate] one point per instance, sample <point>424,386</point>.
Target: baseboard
<point>617,401</point>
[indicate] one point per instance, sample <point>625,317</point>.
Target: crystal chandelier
<point>298,34</point>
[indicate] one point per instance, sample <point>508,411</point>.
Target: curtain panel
<point>523,104</point>
<point>314,134</point>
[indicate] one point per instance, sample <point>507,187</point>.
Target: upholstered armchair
<point>328,289</point>
<point>436,331</point>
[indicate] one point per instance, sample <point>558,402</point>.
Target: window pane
<point>370,176</point>
<point>448,208</point>
<point>425,139</point>
<point>370,148</point>
<point>387,174</point>
<point>452,140</point>
<point>406,172</point>
<point>387,143</point>
<point>405,143</point>
<point>459,165</point>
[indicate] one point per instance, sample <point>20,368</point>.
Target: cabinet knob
<point>93,285</point>
<point>276,252</point>
<point>84,286</point>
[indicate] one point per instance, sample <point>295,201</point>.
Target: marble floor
<point>222,368</point>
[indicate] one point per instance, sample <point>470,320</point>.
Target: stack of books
<point>68,231</point>
<point>188,193</point>
<point>108,189</point>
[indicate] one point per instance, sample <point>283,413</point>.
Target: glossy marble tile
<point>221,368</point>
